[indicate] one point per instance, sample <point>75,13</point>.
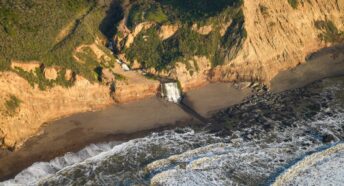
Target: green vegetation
<point>151,52</point>
<point>191,11</point>
<point>293,3</point>
<point>186,43</point>
<point>143,11</point>
<point>29,30</point>
<point>330,33</point>
<point>12,104</point>
<point>37,78</point>
<point>185,11</point>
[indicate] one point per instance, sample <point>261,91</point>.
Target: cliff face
<point>37,106</point>
<point>277,37</point>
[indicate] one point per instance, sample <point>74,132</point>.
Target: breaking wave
<point>263,143</point>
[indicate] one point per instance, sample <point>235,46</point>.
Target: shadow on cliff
<point>114,15</point>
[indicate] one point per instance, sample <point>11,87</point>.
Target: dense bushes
<point>186,43</point>
<point>196,10</point>
<point>293,3</point>
<point>143,11</point>
<point>185,11</point>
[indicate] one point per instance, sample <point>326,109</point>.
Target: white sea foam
<point>40,170</point>
<point>322,168</point>
<point>189,157</point>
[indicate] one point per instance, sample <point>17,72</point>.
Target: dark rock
<point>327,138</point>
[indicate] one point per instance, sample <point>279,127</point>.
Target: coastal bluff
<point>276,37</point>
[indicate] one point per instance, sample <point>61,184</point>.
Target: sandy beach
<point>126,121</point>
<point>328,62</point>
<point>118,122</point>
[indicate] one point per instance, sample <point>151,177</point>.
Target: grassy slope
<point>29,30</point>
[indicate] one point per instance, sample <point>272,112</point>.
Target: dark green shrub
<point>12,104</point>
<point>293,3</point>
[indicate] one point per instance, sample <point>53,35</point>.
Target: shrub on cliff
<point>330,32</point>
<point>12,104</point>
<point>293,3</point>
<point>186,43</point>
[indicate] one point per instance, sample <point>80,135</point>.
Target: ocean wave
<point>268,139</point>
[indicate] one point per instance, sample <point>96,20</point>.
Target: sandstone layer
<point>278,38</point>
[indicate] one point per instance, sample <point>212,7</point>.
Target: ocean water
<point>250,143</point>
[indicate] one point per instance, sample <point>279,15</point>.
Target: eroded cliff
<point>236,41</point>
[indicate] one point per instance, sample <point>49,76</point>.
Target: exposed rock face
<point>279,38</point>
<point>28,66</point>
<point>70,75</point>
<point>39,106</point>
<point>140,27</point>
<point>166,31</point>
<point>50,73</point>
<point>203,30</point>
<point>193,75</point>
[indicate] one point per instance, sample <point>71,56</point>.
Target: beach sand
<point>214,97</point>
<point>77,131</point>
<point>328,62</point>
<point>127,121</point>
<point>118,122</point>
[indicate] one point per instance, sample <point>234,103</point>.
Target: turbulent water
<point>249,144</point>
<point>322,168</point>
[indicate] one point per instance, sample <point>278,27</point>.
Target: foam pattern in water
<point>322,168</point>
<point>264,143</point>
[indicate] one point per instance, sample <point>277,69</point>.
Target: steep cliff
<point>243,41</point>
<point>195,43</point>
<point>279,37</point>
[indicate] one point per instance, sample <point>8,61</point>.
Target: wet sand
<point>77,131</point>
<point>127,121</point>
<point>214,97</point>
<point>328,62</point>
<point>118,122</point>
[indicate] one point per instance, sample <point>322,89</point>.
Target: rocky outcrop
<point>166,31</point>
<point>203,30</point>
<point>194,73</point>
<point>28,66</point>
<point>140,27</point>
<point>50,73</point>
